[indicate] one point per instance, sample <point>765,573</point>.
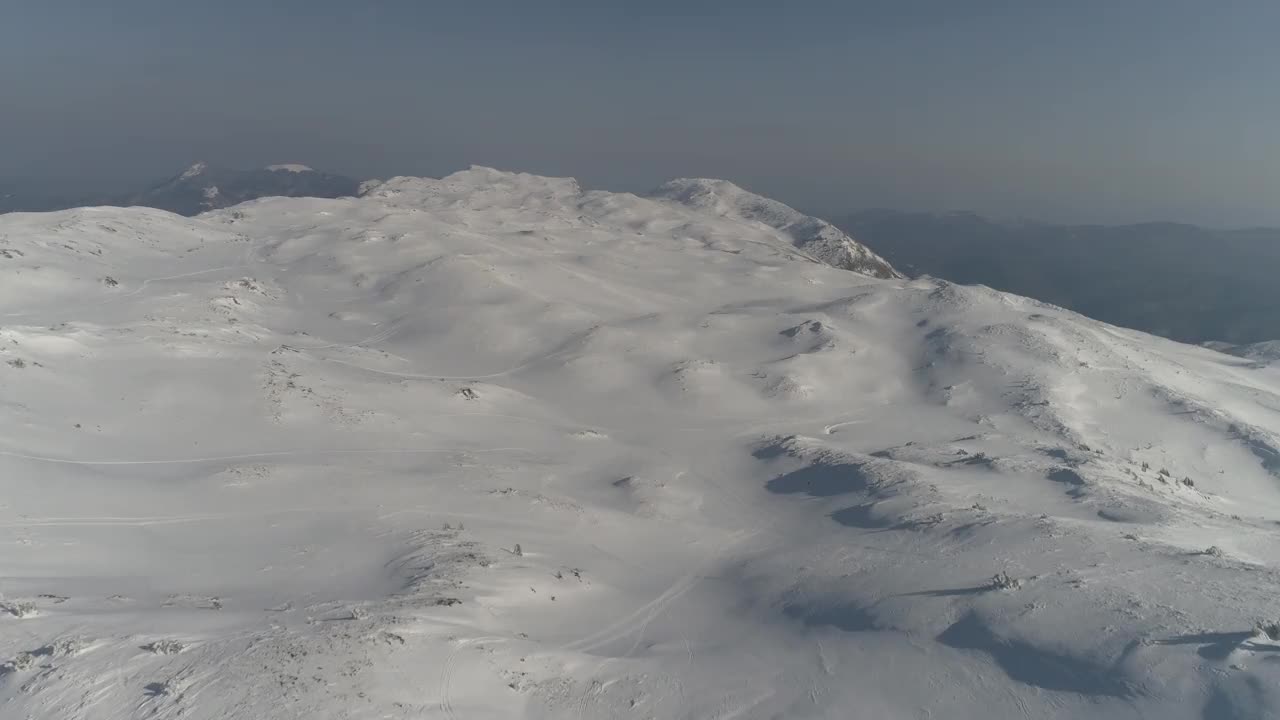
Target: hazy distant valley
<point>1180,281</point>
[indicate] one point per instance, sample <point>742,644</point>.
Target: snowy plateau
<point>492,446</point>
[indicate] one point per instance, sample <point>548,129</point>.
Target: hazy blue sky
<point>1081,110</point>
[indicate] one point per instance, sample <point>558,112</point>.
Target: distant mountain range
<point>197,189</point>
<point>202,187</point>
<point>1184,282</point>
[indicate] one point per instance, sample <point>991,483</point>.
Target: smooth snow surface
<point>291,167</point>
<point>494,447</point>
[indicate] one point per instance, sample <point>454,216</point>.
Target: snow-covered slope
<point>1262,352</point>
<point>491,446</point>
<point>818,238</point>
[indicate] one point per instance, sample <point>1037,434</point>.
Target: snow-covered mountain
<point>818,238</point>
<point>1183,282</point>
<point>493,446</point>
<point>199,188</point>
<point>1263,352</point>
<point>202,187</point>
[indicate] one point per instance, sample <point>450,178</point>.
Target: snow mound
<point>290,167</point>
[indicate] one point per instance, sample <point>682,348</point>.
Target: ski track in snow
<point>136,292</point>
<point>639,619</point>
<point>263,455</point>
<point>450,667</point>
<point>603,455</point>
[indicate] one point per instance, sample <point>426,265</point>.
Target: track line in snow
<point>640,618</point>
<point>424,376</point>
<point>370,340</point>
<point>262,455</point>
<point>120,298</point>
<point>450,514</point>
<point>830,429</point>
<point>110,521</point>
<point>450,669</point>
<point>566,347</point>
<point>621,626</point>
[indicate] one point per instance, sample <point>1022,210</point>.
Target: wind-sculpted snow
<point>495,446</point>
<point>818,238</point>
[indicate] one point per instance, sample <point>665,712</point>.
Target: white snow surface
<point>291,167</point>
<point>275,462</point>
<point>818,238</point>
<point>194,171</point>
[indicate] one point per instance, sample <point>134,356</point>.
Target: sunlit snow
<point>493,446</point>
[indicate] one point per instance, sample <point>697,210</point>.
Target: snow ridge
<point>816,237</point>
<point>1263,352</point>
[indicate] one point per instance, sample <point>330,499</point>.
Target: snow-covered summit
<point>680,206</point>
<point>812,235</point>
<point>195,170</point>
<point>480,188</point>
<point>290,167</point>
